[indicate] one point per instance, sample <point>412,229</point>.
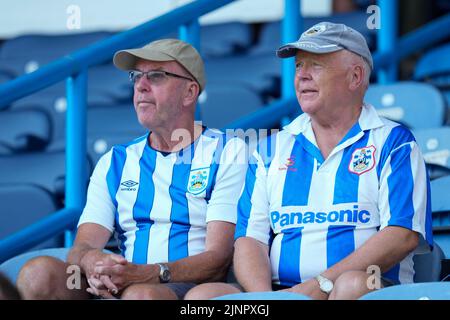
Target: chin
<point>308,107</point>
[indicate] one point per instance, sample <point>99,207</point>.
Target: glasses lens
<point>135,76</point>
<point>156,77</point>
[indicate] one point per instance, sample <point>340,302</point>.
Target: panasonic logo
<point>300,218</point>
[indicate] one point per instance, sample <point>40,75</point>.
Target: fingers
<point>102,287</point>
<point>109,284</point>
<point>108,270</point>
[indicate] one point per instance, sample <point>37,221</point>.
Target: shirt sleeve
<point>229,181</point>
<point>253,207</point>
<point>404,197</point>
<point>99,207</point>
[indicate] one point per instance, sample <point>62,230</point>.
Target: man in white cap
<point>171,195</point>
<point>341,205</point>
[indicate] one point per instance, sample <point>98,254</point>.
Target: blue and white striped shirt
<point>313,212</point>
<point>160,204</point>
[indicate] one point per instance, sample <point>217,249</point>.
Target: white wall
<point>51,16</point>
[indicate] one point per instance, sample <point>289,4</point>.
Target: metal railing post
<point>75,196</point>
<point>190,33</point>
<point>387,38</point>
<point>291,26</point>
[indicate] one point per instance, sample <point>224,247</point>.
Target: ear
<point>191,93</point>
<point>356,77</point>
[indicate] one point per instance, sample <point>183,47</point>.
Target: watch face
<point>327,286</point>
<point>165,275</point>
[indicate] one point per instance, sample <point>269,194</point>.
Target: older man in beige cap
<point>171,195</point>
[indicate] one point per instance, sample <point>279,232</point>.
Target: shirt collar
<point>368,119</point>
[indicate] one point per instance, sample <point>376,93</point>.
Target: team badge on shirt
<point>362,160</point>
<point>198,180</point>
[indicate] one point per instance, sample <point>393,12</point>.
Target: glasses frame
<point>145,73</point>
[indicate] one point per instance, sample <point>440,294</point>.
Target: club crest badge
<point>315,30</point>
<point>198,180</point>
<point>362,160</point>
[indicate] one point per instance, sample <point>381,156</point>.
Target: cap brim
<point>126,59</point>
<point>318,46</point>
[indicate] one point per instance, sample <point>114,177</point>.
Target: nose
<point>142,84</point>
<point>303,73</point>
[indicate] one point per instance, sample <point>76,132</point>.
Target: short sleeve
<point>405,192</point>
<point>99,207</point>
<point>229,180</point>
<point>253,207</point>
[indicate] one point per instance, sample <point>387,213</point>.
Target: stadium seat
<point>220,105</point>
<point>11,267</point>
<point>27,53</point>
<point>98,143</point>
<point>435,145</point>
<point>416,105</point>
<point>22,205</point>
<point>115,119</point>
<point>23,131</point>
<point>270,295</point>
<point>440,200</point>
<point>434,68</point>
<point>440,204</point>
<point>433,63</point>
<point>427,266</point>
<point>258,72</point>
<point>225,39</point>
<point>414,291</point>
<point>44,169</point>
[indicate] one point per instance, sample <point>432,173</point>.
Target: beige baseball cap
<point>165,50</point>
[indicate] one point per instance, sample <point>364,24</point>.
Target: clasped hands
<point>109,274</point>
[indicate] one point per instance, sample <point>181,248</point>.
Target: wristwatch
<point>164,273</point>
<point>325,285</point>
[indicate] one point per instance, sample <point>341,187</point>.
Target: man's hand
<point>309,288</point>
<point>123,275</point>
<point>91,258</point>
<point>100,285</point>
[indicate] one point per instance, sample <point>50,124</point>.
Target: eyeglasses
<point>154,76</point>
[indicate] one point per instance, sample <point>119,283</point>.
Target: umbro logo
<point>129,184</point>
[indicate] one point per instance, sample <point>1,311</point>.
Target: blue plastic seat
<point>258,72</point>
<point>270,295</point>
<point>98,143</point>
<point>435,145</point>
<point>220,105</point>
<point>434,67</point>
<point>225,39</point>
<point>433,63</point>
<point>24,131</point>
<point>427,266</point>
<point>440,204</point>
<point>26,53</point>
<point>440,200</point>
<point>416,105</point>
<point>414,291</point>
<point>22,205</point>
<point>44,169</point>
